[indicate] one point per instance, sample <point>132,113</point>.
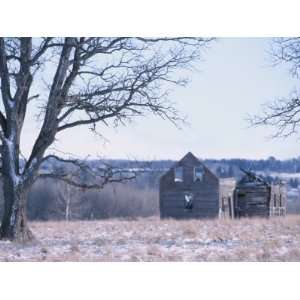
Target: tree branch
<point>283,114</point>
<point>4,74</point>
<point>49,128</point>
<point>100,176</point>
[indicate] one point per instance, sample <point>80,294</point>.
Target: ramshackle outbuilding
<point>190,190</point>
<point>254,197</point>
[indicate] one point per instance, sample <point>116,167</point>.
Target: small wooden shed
<point>254,197</point>
<point>190,190</point>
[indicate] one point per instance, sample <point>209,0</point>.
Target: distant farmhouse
<point>190,190</point>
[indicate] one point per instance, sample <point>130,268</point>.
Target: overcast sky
<point>235,79</point>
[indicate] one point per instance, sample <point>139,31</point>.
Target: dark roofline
<point>252,178</point>
<point>194,157</point>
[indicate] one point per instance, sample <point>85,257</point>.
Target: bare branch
<point>98,175</point>
<point>283,114</point>
<point>45,44</point>
<point>4,75</point>
<point>89,81</point>
<point>49,127</point>
<point>2,122</point>
<point>96,80</point>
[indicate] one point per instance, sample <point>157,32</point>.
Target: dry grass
<point>151,239</point>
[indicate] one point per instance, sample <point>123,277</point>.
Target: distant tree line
<point>267,165</point>
<point>231,166</point>
<point>50,199</point>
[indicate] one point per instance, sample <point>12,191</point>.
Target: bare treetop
<point>287,50</point>
<point>89,81</point>
<point>283,114</point>
<point>96,79</point>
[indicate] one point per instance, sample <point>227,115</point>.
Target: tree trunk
<point>68,202</point>
<point>14,222</point>
<point>67,213</point>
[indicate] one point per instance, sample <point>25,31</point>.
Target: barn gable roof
<point>190,157</point>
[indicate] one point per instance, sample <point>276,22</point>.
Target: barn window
<point>178,174</point>
<point>198,173</point>
<point>188,201</point>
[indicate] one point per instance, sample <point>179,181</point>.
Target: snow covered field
<point>151,239</point>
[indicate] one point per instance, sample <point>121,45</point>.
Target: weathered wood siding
<point>252,200</point>
<point>278,200</point>
<point>205,192</point>
<point>256,198</point>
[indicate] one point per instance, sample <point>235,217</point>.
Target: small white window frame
<point>198,177</point>
<point>178,174</point>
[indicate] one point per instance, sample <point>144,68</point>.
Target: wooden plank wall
<point>278,200</point>
<point>205,193</point>
<point>249,199</point>
<point>252,200</point>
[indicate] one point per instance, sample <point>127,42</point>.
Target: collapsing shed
<point>255,197</point>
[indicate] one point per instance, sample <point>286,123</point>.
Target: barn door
<point>240,204</point>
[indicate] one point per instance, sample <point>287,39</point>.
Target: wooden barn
<point>190,190</point>
<point>254,197</point>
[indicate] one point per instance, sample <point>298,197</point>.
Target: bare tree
<point>283,114</point>
<point>91,81</point>
<point>66,197</point>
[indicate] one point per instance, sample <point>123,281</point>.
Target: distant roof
<point>251,178</point>
<point>191,156</point>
